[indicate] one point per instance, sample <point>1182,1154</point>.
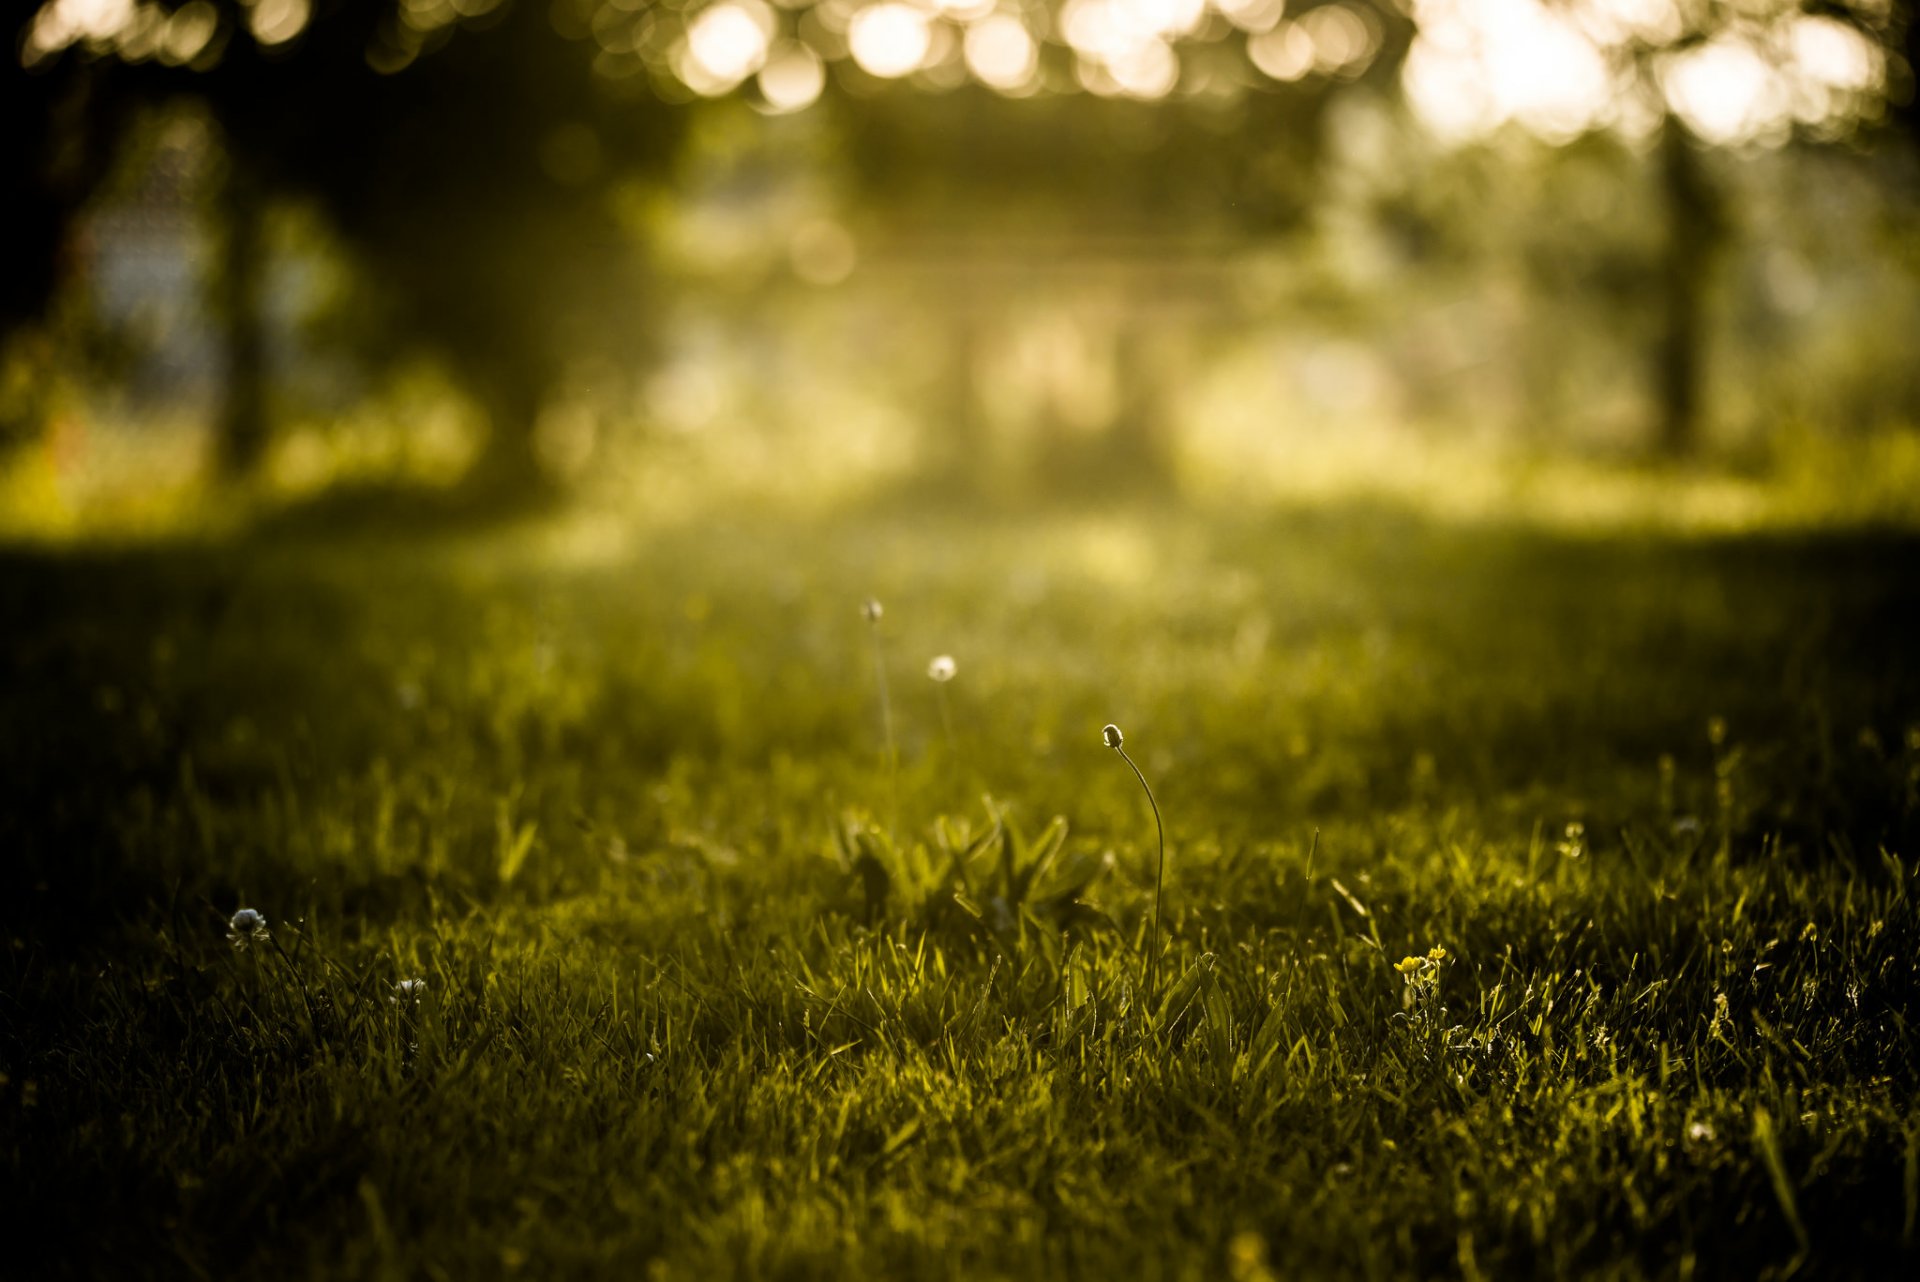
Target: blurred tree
<point>471,166</point>
<point>1689,84</point>
<point>468,162</point>
<point>1666,54</point>
<point>241,308</point>
<point>1695,232</point>
<point>58,144</point>
<point>1132,180</point>
<point>472,151</point>
<point>462,145</point>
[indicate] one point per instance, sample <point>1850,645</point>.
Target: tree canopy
<point>472,151</point>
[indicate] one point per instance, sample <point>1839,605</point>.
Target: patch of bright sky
<point>1561,70</point>
<point>1001,53</point>
<point>793,77</point>
<point>1558,68</point>
<point>889,40</point>
<point>726,43</point>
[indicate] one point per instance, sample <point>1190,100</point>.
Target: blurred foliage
<point>1042,245</point>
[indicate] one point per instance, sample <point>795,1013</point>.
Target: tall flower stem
<point>946,717</point>
<point>1152,962</point>
<point>872,611</point>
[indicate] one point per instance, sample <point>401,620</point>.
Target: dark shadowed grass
<point>693,1006</point>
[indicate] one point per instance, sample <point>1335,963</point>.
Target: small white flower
<point>408,992</point>
<point>942,668</point>
<point>247,926</point>
<point>1112,736</point>
<point>872,610</point>
<point>1700,1133</point>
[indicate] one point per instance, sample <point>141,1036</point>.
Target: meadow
<point>1538,901</point>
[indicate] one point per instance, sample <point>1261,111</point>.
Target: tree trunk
<point>508,472</point>
<point>243,409</point>
<point>1140,454</point>
<point>1694,233</point>
<point>960,455</point>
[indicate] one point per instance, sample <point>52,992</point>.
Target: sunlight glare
<point>1832,53</point>
<point>1000,53</point>
<point>60,23</point>
<point>1616,22</point>
<point>1254,16</point>
<point>1166,18</point>
<point>1123,44</point>
<point>1725,91</point>
<point>1343,42</point>
<point>1149,69</point>
<point>188,31</point>
<point>889,40</point>
<point>1284,53</point>
<point>727,43</point>
<point>1560,71</point>
<point>1478,64</point>
<point>793,77</point>
<point>964,10</point>
<point>275,22</point>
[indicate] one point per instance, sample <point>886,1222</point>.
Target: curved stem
<point>946,717</point>
<point>1159,879</point>
<point>886,724</point>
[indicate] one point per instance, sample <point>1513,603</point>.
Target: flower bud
<point>1112,735</point>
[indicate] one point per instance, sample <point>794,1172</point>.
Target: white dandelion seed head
<point>942,667</point>
<point>872,610</point>
<point>248,926</point>
<point>1112,736</point>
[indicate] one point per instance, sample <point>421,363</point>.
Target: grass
<point>695,1006</point>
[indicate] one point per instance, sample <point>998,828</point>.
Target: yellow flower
<point>1407,966</point>
<point>1436,954</point>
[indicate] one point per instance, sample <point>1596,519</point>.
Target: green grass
<point>697,1004</point>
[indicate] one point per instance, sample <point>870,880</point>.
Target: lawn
<point>1537,903</point>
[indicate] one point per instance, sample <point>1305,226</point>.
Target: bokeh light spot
<point>1284,52</point>
<point>1724,90</point>
<point>1252,15</point>
<point>275,22</point>
<point>793,77</point>
<point>188,31</point>
<point>1343,42</point>
<point>822,253</point>
<point>727,43</point>
<point>1001,53</point>
<point>889,40</point>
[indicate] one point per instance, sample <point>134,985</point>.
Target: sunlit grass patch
<point>597,931</point>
